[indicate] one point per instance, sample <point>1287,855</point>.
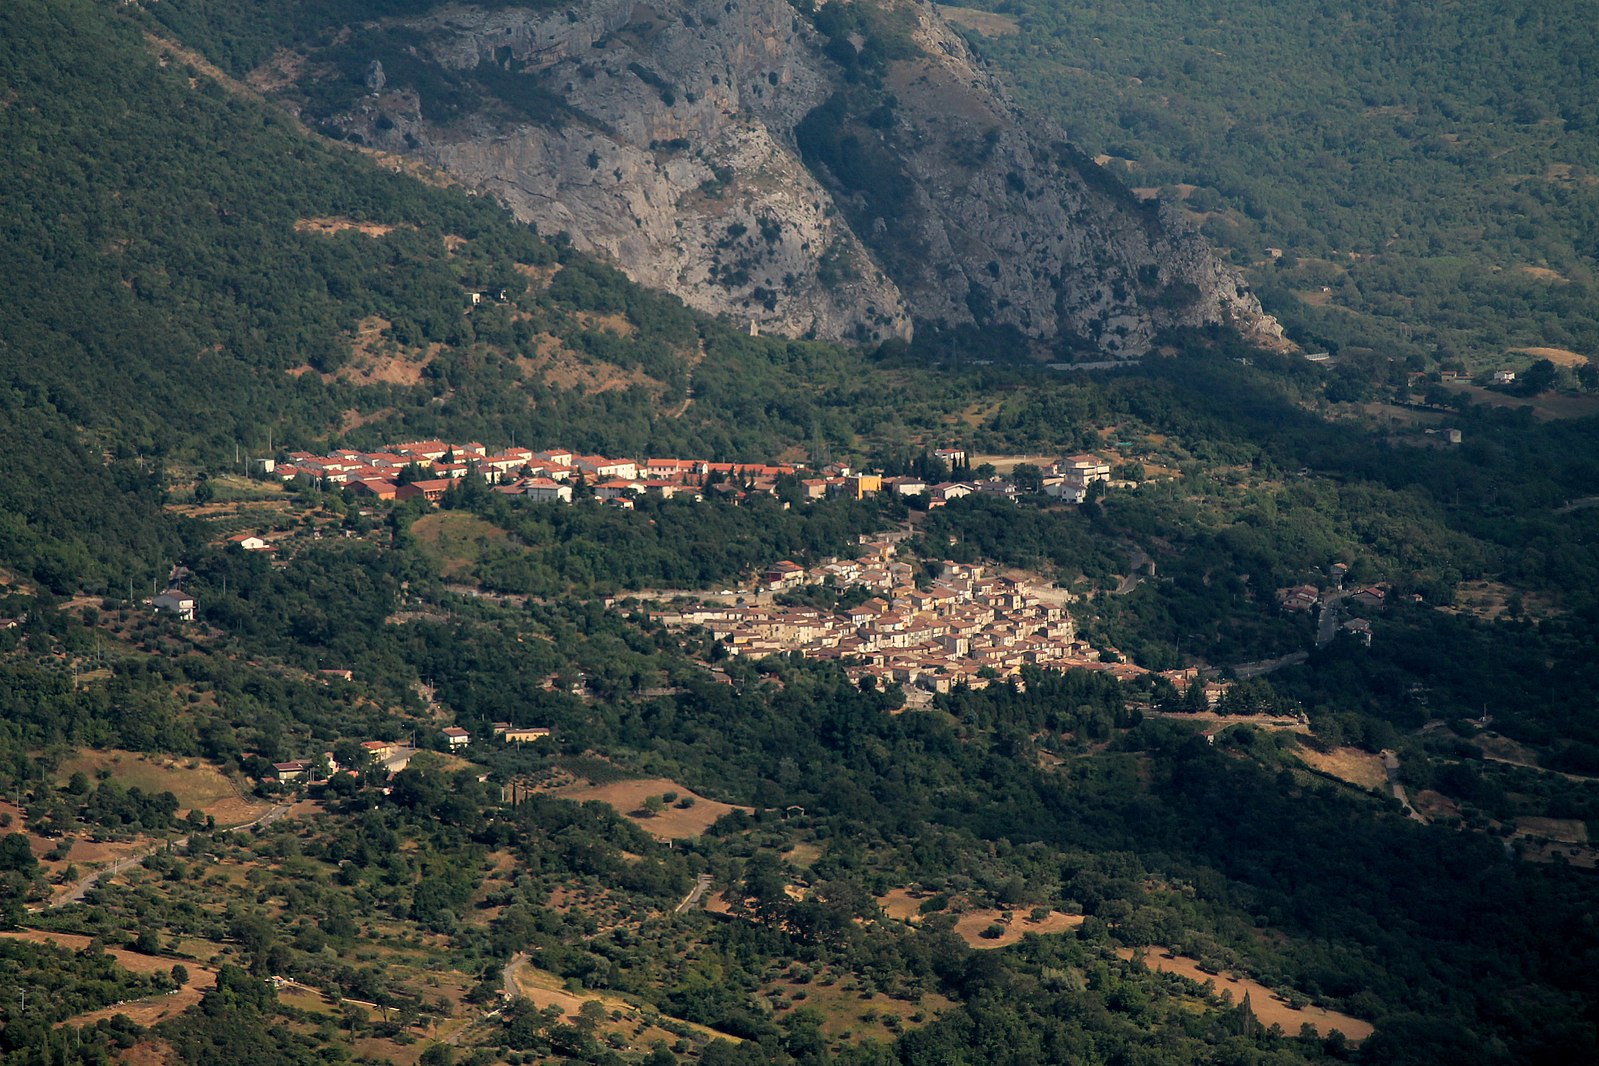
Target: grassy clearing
<point>1268,1006</point>
<point>639,1026</point>
<point>850,1015</point>
<point>1359,768</point>
<point>199,786</point>
<point>986,23</point>
<point>458,541</point>
<point>1557,356</point>
<point>673,822</point>
<point>1545,406</point>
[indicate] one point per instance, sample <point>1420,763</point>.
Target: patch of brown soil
<point>539,277</point>
<point>149,1051</point>
<point>165,51</point>
<point>281,71</point>
<point>986,23</point>
<point>145,1011</point>
<point>562,368</point>
<point>1360,768</point>
<point>544,989</point>
<point>328,226</point>
<point>672,823</point>
<point>1269,1007</point>
<point>1564,830</point>
<point>200,786</point>
<point>1152,192</point>
<point>354,419</point>
<point>1557,356</point>
<point>1571,854</point>
<point>903,904</point>
<point>1545,406</point>
<point>1506,750</point>
<point>1490,600</point>
<point>1434,805</point>
<point>614,323</point>
<point>1542,274</point>
<point>971,926</point>
<point>1004,464</point>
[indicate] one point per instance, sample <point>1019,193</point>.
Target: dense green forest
<point>187,273</point>
<point>1433,167</point>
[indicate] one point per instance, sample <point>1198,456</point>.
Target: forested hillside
<point>455,783</point>
<point>1435,168</point>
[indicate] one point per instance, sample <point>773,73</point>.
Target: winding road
<point>1390,765</point>
<point>695,894</point>
<point>81,887</point>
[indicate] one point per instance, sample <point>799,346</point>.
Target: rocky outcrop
<point>845,181</point>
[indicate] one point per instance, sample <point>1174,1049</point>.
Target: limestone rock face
<point>732,153</point>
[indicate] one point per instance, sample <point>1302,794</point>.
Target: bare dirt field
<point>1267,1005</point>
<point>1434,805</point>
<point>986,23</point>
<point>1542,839</point>
<point>144,1011</point>
<point>1360,768</point>
<point>903,904</point>
<point>672,823</point>
<point>971,926</point>
<point>330,226</point>
<point>1557,356</point>
<point>1490,600</point>
<point>1545,406</point>
<point>1503,749</point>
<point>1004,464</point>
<point>149,1051</point>
<point>1566,830</point>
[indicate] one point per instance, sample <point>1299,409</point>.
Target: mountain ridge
<point>852,175</point>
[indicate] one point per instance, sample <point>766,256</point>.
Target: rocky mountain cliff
<point>850,173</point>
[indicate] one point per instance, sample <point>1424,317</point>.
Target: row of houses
<point>541,475</point>
<point>550,475</point>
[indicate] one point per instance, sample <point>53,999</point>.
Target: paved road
<point>1390,765</point>
<point>695,894</point>
<point>1327,621</point>
<point>1578,504</point>
<point>83,885</point>
<point>1245,671</point>
<point>1135,572</point>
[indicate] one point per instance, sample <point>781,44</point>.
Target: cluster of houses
<point>394,755</point>
<point>1299,599</point>
<point>429,468</point>
<point>966,628</point>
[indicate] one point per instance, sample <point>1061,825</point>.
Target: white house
<point>457,737</point>
<point>177,602</point>
<point>544,490</point>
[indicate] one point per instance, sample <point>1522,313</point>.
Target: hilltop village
<point>968,627</point>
